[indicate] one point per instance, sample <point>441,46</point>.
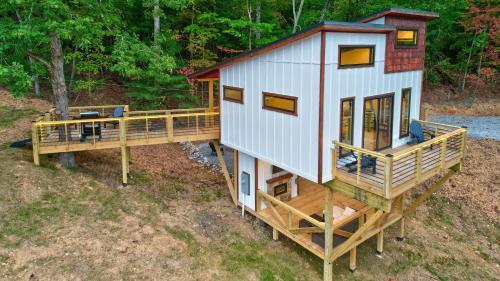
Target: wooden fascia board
<point>400,14</point>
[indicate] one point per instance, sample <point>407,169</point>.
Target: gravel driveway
<point>484,127</point>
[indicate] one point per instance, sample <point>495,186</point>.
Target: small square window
<point>406,37</point>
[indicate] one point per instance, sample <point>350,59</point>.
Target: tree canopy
<point>149,45</point>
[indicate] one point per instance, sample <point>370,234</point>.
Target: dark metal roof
<point>399,11</point>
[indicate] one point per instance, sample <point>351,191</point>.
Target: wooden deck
<point>311,201</point>
<point>104,133</point>
<point>390,173</point>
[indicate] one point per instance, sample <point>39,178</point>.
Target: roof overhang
<point>402,12</point>
<point>329,26</point>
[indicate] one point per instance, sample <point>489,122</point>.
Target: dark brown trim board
<point>236,89</point>
<point>321,106</point>
<point>372,57</point>
<point>341,115</point>
<point>295,101</point>
<point>279,178</point>
<point>401,113</point>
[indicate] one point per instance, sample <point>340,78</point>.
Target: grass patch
<point>26,221</point>
<point>410,258</point>
<point>9,115</point>
<point>185,236</point>
<point>439,209</point>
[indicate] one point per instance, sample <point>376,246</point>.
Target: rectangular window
<point>406,37</point>
<point>233,94</point>
<point>356,56</point>
<point>346,122</point>
<point>245,183</point>
<point>279,103</point>
<point>405,113</point>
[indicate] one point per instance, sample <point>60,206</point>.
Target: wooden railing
<point>170,111</point>
<point>389,175</point>
<point>84,134</point>
<point>270,201</point>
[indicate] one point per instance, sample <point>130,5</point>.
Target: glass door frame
<point>378,97</point>
<point>353,114</point>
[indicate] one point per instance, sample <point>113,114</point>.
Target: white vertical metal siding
<point>246,163</point>
<point>361,83</point>
<point>289,142</point>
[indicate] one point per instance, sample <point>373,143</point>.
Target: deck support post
<point>123,146</point>
<point>225,172</point>
<point>328,264</point>
<point>401,234</point>
<point>352,259</point>
<point>34,141</point>
<point>380,242</point>
<point>275,234</point>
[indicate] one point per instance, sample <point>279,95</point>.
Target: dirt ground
<point>176,222</point>
<point>448,100</point>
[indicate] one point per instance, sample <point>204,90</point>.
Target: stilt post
<point>123,145</point>
<point>36,144</point>
<point>327,264</point>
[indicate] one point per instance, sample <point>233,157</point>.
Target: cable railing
<point>389,175</point>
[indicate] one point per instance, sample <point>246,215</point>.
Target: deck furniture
<point>117,113</point>
<point>367,161</point>
<point>417,134</point>
<point>90,128</point>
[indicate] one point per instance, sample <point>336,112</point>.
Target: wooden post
<point>211,100</point>
<point>170,121</point>
<point>401,234</point>
<point>418,166</point>
<point>290,217</point>
<point>275,234</point>
<point>225,172</point>
<point>128,160</point>
<point>123,145</point>
<point>327,264</point>
<point>36,144</point>
<point>334,161</point>
<point>388,175</point>
<point>380,242</point>
<point>352,259</point>
<point>443,155</point>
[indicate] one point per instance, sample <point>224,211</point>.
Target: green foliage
<point>16,79</point>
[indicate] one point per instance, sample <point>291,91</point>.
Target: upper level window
<point>356,56</point>
<point>233,94</point>
<point>404,128</point>
<point>406,37</point>
<point>280,103</point>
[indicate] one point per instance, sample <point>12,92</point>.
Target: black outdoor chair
<point>117,113</point>
<point>417,134</point>
<point>366,162</point>
<point>89,129</point>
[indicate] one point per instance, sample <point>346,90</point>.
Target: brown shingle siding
<point>406,58</point>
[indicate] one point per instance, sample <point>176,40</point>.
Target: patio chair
<point>367,161</point>
<point>117,113</point>
<point>417,134</point>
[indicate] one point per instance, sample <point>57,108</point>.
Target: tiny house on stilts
<point>325,127</point>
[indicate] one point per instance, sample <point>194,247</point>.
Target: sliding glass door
<point>377,122</point>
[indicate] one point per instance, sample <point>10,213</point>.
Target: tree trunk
<point>296,15</point>
<point>462,86</point>
<point>326,6</point>
<point>36,80</point>
<point>257,20</point>
<point>249,12</point>
<point>60,92</point>
<point>156,20</point>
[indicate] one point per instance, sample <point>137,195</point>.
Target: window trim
<point>401,114</point>
<point>295,101</point>
<point>403,46</point>
<point>236,89</point>
<point>372,57</point>
<point>380,96</point>
<point>243,173</point>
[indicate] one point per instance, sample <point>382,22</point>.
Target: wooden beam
<point>225,172</point>
<point>429,192</point>
<point>327,263</point>
<point>352,259</point>
<point>359,194</point>
<point>380,242</point>
<point>123,146</point>
<point>275,234</point>
<point>350,242</point>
